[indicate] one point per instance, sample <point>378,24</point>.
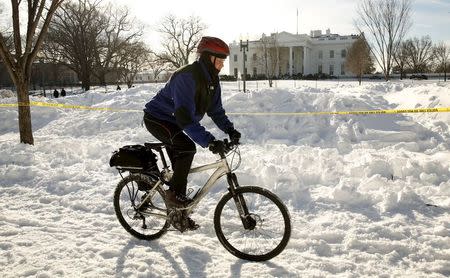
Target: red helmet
<point>214,46</point>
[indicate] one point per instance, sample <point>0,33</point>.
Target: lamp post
<point>243,48</point>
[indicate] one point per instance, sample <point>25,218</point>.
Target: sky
<point>234,20</point>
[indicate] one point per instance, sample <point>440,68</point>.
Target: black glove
<point>216,146</point>
<point>234,136</point>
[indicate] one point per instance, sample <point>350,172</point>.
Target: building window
<point>320,54</point>
<point>319,70</point>
<point>254,57</point>
<point>342,69</point>
<point>235,72</point>
<point>255,72</point>
<point>343,53</point>
<point>331,53</point>
<point>235,58</point>
<point>331,69</point>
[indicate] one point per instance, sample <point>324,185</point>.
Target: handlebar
<point>228,146</point>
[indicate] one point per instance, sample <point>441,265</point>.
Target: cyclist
<point>173,115</point>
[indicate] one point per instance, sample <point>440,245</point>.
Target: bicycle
<point>251,222</point>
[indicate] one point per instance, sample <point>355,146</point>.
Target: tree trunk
<point>102,78</point>
<point>25,129</point>
<point>85,82</point>
<point>360,75</point>
<point>445,72</point>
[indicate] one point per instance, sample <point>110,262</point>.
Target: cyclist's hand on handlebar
<point>234,136</point>
<point>217,146</point>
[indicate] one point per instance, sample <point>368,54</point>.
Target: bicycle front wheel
<point>262,233</point>
<point>143,216</point>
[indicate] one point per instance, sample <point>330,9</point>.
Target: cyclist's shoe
<point>177,200</point>
<point>191,225</point>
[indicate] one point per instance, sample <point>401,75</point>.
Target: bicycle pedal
<point>180,221</point>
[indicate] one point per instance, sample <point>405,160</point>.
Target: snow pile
<point>368,194</point>
<point>6,93</point>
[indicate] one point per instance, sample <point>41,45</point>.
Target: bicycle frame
<point>222,168</point>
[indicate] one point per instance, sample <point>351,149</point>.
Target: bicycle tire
<point>257,200</point>
<point>151,221</point>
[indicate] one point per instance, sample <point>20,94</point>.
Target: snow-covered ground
<point>369,195</point>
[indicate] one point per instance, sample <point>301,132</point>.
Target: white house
<point>298,54</point>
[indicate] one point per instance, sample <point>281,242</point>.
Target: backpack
<point>134,158</point>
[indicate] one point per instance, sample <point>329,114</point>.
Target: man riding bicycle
<point>173,115</point>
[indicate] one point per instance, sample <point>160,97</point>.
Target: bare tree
<point>120,31</point>
<point>157,66</point>
<point>387,22</point>
<point>180,37</point>
<point>73,38</point>
<point>400,58</point>
<point>133,56</point>
<point>19,60</point>
<point>359,60</point>
<point>442,55</point>
<point>87,37</point>
<point>419,54</point>
<point>270,58</point>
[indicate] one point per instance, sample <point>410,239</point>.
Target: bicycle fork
<point>248,222</point>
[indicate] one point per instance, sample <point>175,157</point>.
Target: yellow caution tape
<point>68,106</point>
<point>367,112</point>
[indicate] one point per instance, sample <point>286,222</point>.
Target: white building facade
<point>296,55</point>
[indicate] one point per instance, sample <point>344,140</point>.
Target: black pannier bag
<point>134,157</point>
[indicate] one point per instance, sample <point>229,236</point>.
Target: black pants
<point>180,149</point>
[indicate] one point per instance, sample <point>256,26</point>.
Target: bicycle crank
<point>178,220</point>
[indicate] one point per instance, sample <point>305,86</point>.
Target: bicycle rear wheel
<point>268,224</point>
<point>145,221</point>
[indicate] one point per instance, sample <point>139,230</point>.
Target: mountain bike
<point>251,222</point>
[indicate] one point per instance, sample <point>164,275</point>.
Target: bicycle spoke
<point>256,240</point>
<point>264,238</point>
<point>141,215</point>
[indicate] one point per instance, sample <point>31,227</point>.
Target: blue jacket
<point>185,99</point>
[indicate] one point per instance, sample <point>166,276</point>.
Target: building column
<point>306,69</point>
<point>290,61</point>
<point>277,67</point>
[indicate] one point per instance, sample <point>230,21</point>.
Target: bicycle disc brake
<point>178,219</point>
